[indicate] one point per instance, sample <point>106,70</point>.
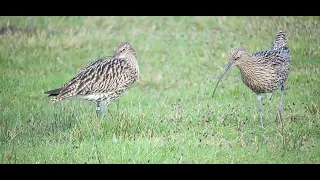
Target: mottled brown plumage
<point>264,71</point>
<point>102,80</point>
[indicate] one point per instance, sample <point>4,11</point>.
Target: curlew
<point>103,80</point>
<point>264,71</point>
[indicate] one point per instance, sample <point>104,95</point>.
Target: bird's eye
<point>237,58</point>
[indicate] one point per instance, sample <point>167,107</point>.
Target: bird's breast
<point>260,80</point>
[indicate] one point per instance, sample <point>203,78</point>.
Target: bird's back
<point>269,69</point>
<point>277,56</point>
<point>104,79</point>
<point>98,61</point>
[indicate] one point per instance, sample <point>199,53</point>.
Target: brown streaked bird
<point>103,80</point>
<point>264,71</point>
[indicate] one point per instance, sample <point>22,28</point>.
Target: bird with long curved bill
<point>263,71</point>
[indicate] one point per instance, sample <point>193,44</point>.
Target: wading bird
<point>264,71</point>
<point>103,80</point>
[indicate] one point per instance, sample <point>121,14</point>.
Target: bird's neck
<point>247,68</point>
<point>133,61</point>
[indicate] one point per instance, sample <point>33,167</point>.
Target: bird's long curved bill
<point>221,76</point>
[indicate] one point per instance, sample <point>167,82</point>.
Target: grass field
<point>168,116</point>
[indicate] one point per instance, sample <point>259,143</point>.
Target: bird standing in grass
<point>264,71</point>
<point>103,80</point>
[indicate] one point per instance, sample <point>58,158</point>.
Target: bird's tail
<point>280,41</point>
<point>53,92</point>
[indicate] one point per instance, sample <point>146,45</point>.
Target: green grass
<point>168,116</point>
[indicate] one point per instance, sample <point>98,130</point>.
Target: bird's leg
<point>103,107</point>
<point>279,112</point>
<point>260,109</point>
<point>98,108</point>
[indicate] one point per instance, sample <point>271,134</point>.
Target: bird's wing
<point>101,76</point>
<point>277,60</point>
<point>282,55</point>
<point>278,48</point>
<point>91,64</point>
<point>97,61</point>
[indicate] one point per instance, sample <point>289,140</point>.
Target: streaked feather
<point>104,79</point>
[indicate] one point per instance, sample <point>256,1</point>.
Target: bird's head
<point>237,56</point>
<point>123,50</point>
